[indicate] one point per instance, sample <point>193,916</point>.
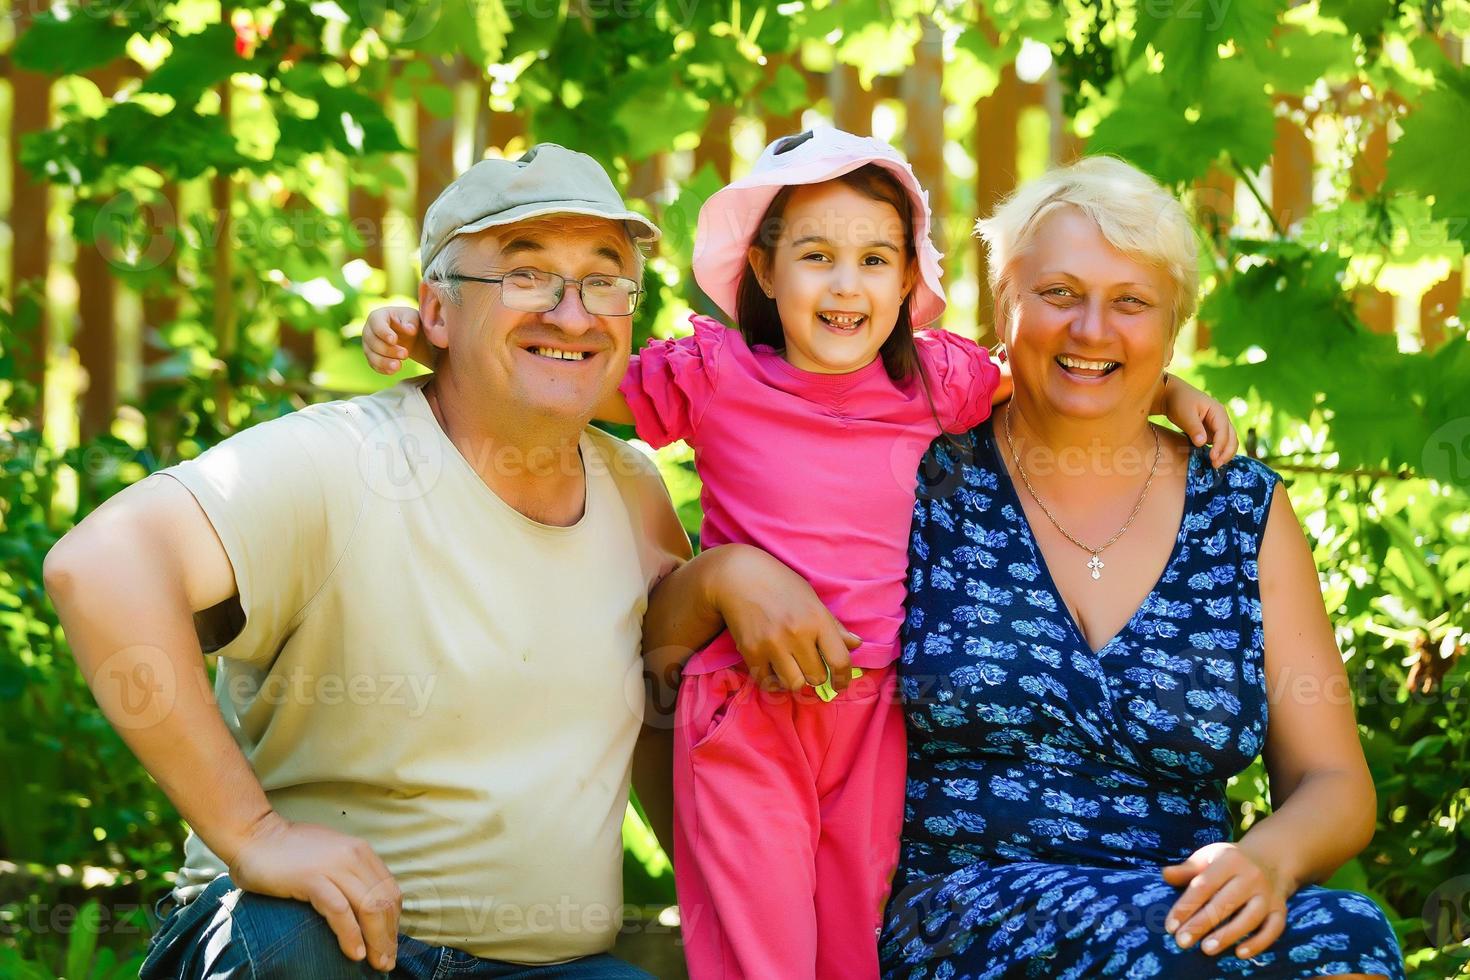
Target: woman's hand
<point>384,334</point>
<point>1201,418</point>
<point>780,627</point>
<point>1231,891</point>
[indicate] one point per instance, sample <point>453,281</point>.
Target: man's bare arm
<point>126,583</point>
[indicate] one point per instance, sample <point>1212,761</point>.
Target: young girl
<point>808,423</point>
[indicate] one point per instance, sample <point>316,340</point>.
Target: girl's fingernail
<point>1184,939</point>
<point>1171,925</point>
<point>1211,945</point>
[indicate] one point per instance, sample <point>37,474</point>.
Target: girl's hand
<point>1232,892</point>
<point>784,633</point>
<point>1201,418</point>
<point>391,335</point>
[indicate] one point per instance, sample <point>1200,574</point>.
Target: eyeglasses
<point>537,291</point>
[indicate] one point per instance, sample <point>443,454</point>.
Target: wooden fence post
<point>434,157</point>
<point>923,138</point>
<point>714,142</point>
<point>1369,168</point>
<point>96,337</point>
<point>852,105</point>
<point>1291,166</point>
<point>30,250</point>
<point>221,194</point>
<point>995,150</point>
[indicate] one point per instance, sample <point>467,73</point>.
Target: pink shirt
<point>819,470</point>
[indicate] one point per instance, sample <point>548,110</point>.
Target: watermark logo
<point>1447,453</point>
<point>1447,916</point>
<point>402,458</point>
<point>136,687</point>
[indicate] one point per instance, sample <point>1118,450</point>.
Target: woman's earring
<point>1000,354</point>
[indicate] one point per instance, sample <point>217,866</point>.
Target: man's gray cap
<point>547,179</point>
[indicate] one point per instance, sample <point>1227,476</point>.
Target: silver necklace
<point>1095,563</point>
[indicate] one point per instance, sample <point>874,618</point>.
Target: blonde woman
<point>1072,724</point>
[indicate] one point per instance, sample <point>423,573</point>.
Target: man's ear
<point>761,267</point>
<point>431,316</point>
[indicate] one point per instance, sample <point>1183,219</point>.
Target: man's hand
<point>338,875</point>
<point>780,627</point>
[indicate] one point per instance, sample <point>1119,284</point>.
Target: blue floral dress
<point>1048,783</point>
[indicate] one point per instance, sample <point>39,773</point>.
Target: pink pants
<point>787,812</point>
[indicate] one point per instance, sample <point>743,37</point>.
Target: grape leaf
<point>1156,128</point>
<point>198,62</point>
<point>68,47</point>
<point>1362,17</point>
<point>1189,33</point>
<point>1433,135</point>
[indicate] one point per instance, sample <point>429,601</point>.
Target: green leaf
<point>346,119</point>
<point>1175,140</point>
<point>437,99</point>
<point>786,92</point>
<point>1189,34</point>
<point>15,967</point>
<point>681,218</point>
<point>1430,744</point>
<point>83,942</point>
<point>198,62</point>
<point>1432,135</point>
<point>1297,58</point>
<point>71,46</point>
<point>1363,17</point>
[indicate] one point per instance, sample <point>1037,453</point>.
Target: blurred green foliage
<point>1372,430</point>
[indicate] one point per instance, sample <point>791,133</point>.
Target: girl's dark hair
<point>759,320</point>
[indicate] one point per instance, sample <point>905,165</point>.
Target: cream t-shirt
<point>422,666</point>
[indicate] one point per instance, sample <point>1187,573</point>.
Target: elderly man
<point>427,606</point>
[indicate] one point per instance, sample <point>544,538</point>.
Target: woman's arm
<point>780,627</point>
<point>1325,804</point>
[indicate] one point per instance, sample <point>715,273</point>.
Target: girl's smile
<point>839,273</point>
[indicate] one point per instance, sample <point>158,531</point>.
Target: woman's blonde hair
<point>1133,211</point>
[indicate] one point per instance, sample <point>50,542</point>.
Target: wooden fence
<point>106,330</point>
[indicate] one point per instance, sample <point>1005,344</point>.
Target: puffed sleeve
<point>670,383</point>
<point>962,378</point>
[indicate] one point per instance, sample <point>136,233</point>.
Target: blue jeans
<point>230,934</point>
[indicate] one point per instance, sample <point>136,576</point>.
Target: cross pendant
<point>1097,566</point>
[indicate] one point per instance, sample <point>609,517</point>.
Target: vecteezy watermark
<point>61,919</point>
<point>402,458</point>
<point>140,233</point>
<point>136,687</point>
<point>1447,916</point>
<point>296,686</point>
<point>936,919</point>
<point>135,234</point>
<point>1212,12</point>
<point>1447,453</point>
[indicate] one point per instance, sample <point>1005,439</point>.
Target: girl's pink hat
<point>729,219</point>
